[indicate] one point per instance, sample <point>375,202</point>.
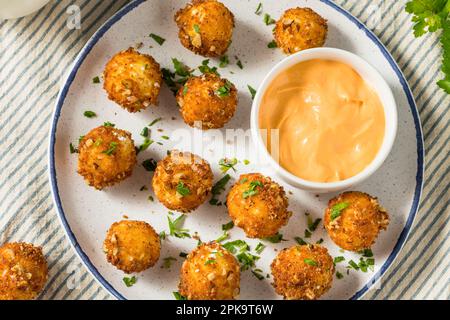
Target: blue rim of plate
<point>134,4</point>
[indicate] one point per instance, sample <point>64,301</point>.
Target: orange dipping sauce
<point>331,122</point>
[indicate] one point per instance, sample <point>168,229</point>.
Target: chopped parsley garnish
<point>217,189</point>
<point>89,114</point>
<point>228,226</point>
<point>233,246</point>
<point>210,261</point>
<point>155,122</point>
<point>247,260</point>
<point>268,19</point>
<point>165,137</point>
<point>178,296</point>
<point>276,238</point>
<point>96,80</point>
<point>223,237</point>
<point>112,148</point>
<point>174,227</point>
<point>167,262</point>
<point>225,90</point>
<point>72,149</point>
<point>258,274</point>
<point>143,188</point>
<point>180,68</point>
<point>183,254</point>
<point>129,282</point>
<point>259,9</point>
<point>162,235</point>
<point>150,198</point>
<point>252,91</point>
<point>145,145</point>
<point>144,132</point>
<point>337,209</point>
<point>272,45</point>
<point>80,138</point>
<point>159,40</point>
<point>252,190</point>
<point>338,259</point>
<point>109,124</point>
<point>196,28</point>
<point>310,262</point>
<point>307,233</point>
<point>353,264</point>
<point>320,241</point>
<point>312,225</point>
<point>182,190</point>
<point>224,61</point>
<point>185,90</point>
<point>149,165</point>
<point>205,68</point>
<point>246,162</point>
<point>259,248</point>
<point>339,275</point>
<point>300,241</point>
<point>227,164</point>
<point>239,64</point>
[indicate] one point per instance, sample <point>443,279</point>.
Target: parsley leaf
<point>174,227</point>
<point>217,189</point>
<point>157,38</point>
<point>227,164</point>
<point>337,209</point>
<point>149,165</point>
<point>129,282</point>
<point>112,148</point>
<point>89,114</point>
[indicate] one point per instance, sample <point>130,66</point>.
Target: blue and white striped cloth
<point>35,52</point>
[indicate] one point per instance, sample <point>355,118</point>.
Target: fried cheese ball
<point>23,271</point>
<point>208,100</point>
<point>258,205</point>
<point>133,80</point>
<point>299,29</point>
<point>210,272</point>
<point>205,27</point>
<point>182,181</point>
<point>354,219</point>
<point>302,272</point>
<point>106,156</point>
<point>132,246</point>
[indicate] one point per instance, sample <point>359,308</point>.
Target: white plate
<point>86,214</point>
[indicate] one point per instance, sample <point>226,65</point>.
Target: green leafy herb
<point>320,241</point>
<point>300,241</point>
<point>258,274</point>
<point>162,235</point>
<point>180,68</point>
<point>155,122</point>
<point>149,164</point>
<point>217,189</point>
<point>259,248</point>
<point>89,114</point>
<point>210,261</point>
<point>236,245</point>
<point>272,45</point>
<point>159,40</point>
<point>223,237</point>
<point>276,238</point>
<point>175,229</point>
<point>182,190</point>
<point>196,28</point>
<point>339,275</point>
<point>338,259</point>
<point>227,164</point>
<point>353,264</point>
<point>183,254</point>
<point>109,124</point>
<point>112,148</point>
<point>252,190</point>
<point>225,90</point>
<point>431,16</point>
<point>150,198</point>
<point>239,64</point>
<point>144,132</point>
<point>313,224</point>
<point>247,260</point>
<point>185,90</point>
<point>96,80</point>
<point>129,282</point>
<point>178,296</point>
<point>259,9</point>
<point>143,188</point>
<point>268,19</point>
<point>205,68</point>
<point>167,262</point>
<point>144,146</point>
<point>310,262</point>
<point>165,137</point>
<point>366,253</point>
<point>252,91</point>
<point>228,226</point>
<point>337,209</point>
<point>72,148</point>
<point>224,61</point>
<point>246,162</point>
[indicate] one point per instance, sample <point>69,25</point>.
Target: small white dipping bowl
<point>371,76</point>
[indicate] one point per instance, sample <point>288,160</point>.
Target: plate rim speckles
<point>135,4</point>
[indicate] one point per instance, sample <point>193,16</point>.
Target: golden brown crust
<point>302,272</point>
<point>299,29</point>
<point>210,272</point>
<point>132,246</point>
<point>99,168</point>
<point>133,80</point>
<point>205,27</point>
<point>182,169</point>
<point>23,271</point>
<point>200,101</point>
<point>260,215</point>
<point>358,225</point>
